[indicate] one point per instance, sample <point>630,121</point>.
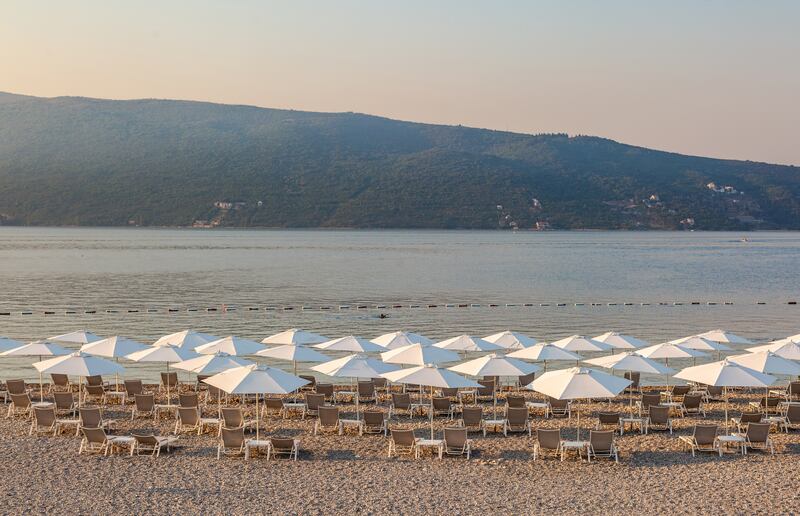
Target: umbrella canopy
<point>162,353</point>
<point>78,364</point>
<point>231,345</point>
<point>419,354</point>
<point>581,343</point>
<point>6,344</point>
<point>668,350</point>
<point>467,343</point>
<point>495,365</point>
<point>620,341</point>
<point>725,373</point>
<point>724,337</point>
<point>579,382</point>
<point>783,348</point>
<point>511,340</point>
<point>113,347</point>
<point>399,339</point>
<point>38,348</point>
<point>700,343</point>
<point>630,361</point>
<point>544,352</point>
<point>294,353</point>
<point>352,344</point>
<point>295,337</point>
<point>212,364</point>
<point>186,339</point>
<point>355,366</point>
<point>767,362</point>
<point>76,337</point>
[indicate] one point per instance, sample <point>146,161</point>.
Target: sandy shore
<point>351,474</point>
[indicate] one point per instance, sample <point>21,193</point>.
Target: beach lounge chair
<point>133,387</point>
<point>606,419</point>
<point>745,419</point>
<point>517,420</point>
<point>403,442</point>
<point>170,379</point>
<point>559,407</point>
<point>648,400</point>
<point>693,404</point>
<point>199,384</point>
<point>96,381</point>
<point>792,418</point>
<point>4,392</point>
<point>374,423</point>
<point>273,406</point>
<point>45,420</point>
<point>95,440</point>
<point>515,401</point>
<point>400,402</point>
<point>326,389</point>
<point>151,443</point>
<point>768,405</point>
<point>328,420</point>
<point>703,438</point>
<point>449,392</point>
<point>144,405</point>
<point>95,392</point>
<point>312,382</point>
<point>677,392</point>
<point>189,419</point>
<point>442,407</point>
<point>472,419</point>
<point>659,416</point>
<point>486,392</point>
<point>92,417</point>
<point>189,400</point>
<point>215,395</point>
<point>456,442</point>
<point>714,393</point>
<point>547,440</point>
<point>65,402</point>
<point>233,417</point>
<point>757,437</point>
<point>20,405</point>
<point>524,380</point>
<point>381,385</point>
<point>16,387</point>
<point>366,392</point>
<point>313,404</point>
<point>283,446</point>
<point>59,382</point>
<point>634,378</point>
<point>793,391</point>
<point>231,442</point>
<point>601,444</point>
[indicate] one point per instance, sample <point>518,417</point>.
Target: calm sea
<point>112,271</point>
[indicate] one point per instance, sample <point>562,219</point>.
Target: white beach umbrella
<point>165,354</point>
<point>76,337</point>
<point>699,343</point>
<point>724,337</point>
<point>293,353</point>
<point>632,363</point>
<point>511,340</point>
<point>37,348</point>
<point>78,364</point>
<point>467,343</point>
<point>399,339</point>
<point>430,376</point>
<point>7,344</point>
<point>767,362</point>
<point>579,383</point>
<point>186,339</point>
<point>495,365</point>
<point>295,337</point>
<point>257,380</point>
<point>581,343</point>
<point>725,374</point>
<point>784,348</point>
<point>351,344</point>
<point>212,364</point>
<point>544,352</point>
<point>620,341</point>
<point>113,347</point>
<point>667,350</point>
<point>354,367</point>
<point>418,355</point>
<point>231,345</point>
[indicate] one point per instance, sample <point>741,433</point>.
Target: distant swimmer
<point>384,316</point>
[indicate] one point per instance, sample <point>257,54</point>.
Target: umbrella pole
<point>258,416</point>
<point>726,409</point>
<point>357,403</point>
<point>41,385</point>
<point>578,437</point>
<point>431,412</point>
<point>168,396</point>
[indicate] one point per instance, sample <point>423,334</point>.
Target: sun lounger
<point>16,387</point>
<point>312,382</point>
<point>215,395</point>
<point>326,389</point>
<point>151,443</point>
<point>233,417</point>
<point>693,404</point>
<point>792,418</point>
<point>746,418</point>
<point>65,402</point>
<point>442,407</point>
<point>189,419</point>
<point>92,417</point>
<point>374,422</point>
<point>515,401</point>
<point>313,403</point>
<point>59,382</point>
<point>95,440</point>
<point>283,446</point>
<point>231,442</point>
<point>634,379</point>
<point>703,438</point>
<point>168,379</point>
<point>45,420</point>
<point>525,380</point>
<point>547,440</point>
<point>456,441</point>
<point>757,437</point>
<point>517,420</point>
<point>403,442</point>
<point>95,392</point>
<point>606,419</point>
<point>646,402</point>
<point>472,419</point>
<point>486,392</point>
<point>601,444</point>
<point>189,400</point>
<point>20,405</point>
<point>659,416</point>
<point>328,420</point>
<point>133,387</point>
<point>144,405</point>
<point>714,393</point>
<point>366,392</point>
<point>559,407</point>
<point>96,381</point>
<point>400,402</point>
<point>274,406</point>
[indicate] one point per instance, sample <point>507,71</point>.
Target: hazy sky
<point>717,78</point>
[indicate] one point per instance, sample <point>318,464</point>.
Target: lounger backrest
<point>146,440</point>
<point>329,416</point>
<point>232,417</point>
<point>714,390</point>
<point>450,392</point>
<point>373,417</point>
<point>517,416</point>
<point>404,437</point>
<point>557,404</point>
<point>61,380</point>
<point>45,416</point>
<point>758,432</point>
<point>94,434</point>
<point>189,415</point>
<point>15,386</point>
<point>494,379</point>
<point>794,389</point>
<point>692,401</point>
<point>441,403</point>
<point>515,401</point>
<point>680,390</point>
<point>486,388</point>
<point>549,439</point>
<point>94,380</point>
<point>232,437</point>
<point>634,378</point>
<point>771,401</point>
<point>793,413</point>
<point>277,403</point>
<point>170,379</point>
<point>188,400</point>
<point>145,402</point>
<point>650,399</point>
<point>366,389</point>
<point>526,379</point>
<point>64,400</point>
<point>91,417</point>
<point>471,415</point>
<point>325,388</point>
<point>705,434</point>
<point>21,401</point>
<point>133,387</point>
<point>95,390</point>
<point>282,444</point>
<point>658,414</point>
<point>401,401</point>
<point>315,401</point>
<point>312,380</point>
<point>601,440</point>
<point>750,417</point>
<point>379,383</point>
<point>608,418</point>
<point>455,437</point>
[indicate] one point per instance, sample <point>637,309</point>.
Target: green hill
<point>68,161</point>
